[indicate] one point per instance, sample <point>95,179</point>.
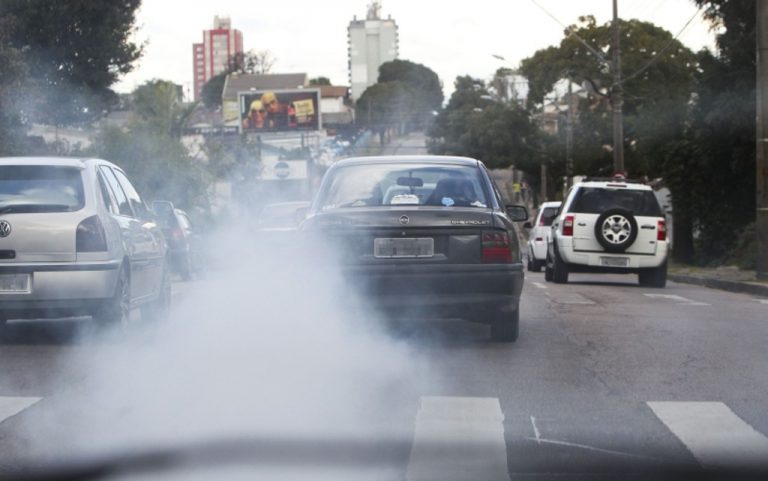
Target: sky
<point>451,38</point>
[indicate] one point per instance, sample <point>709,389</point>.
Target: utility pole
<point>616,94</point>
<point>761,221</point>
<point>569,137</point>
<point>544,180</point>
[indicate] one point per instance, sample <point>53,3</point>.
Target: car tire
<point>559,269</point>
<point>654,277</point>
<point>116,312</point>
<point>159,308</point>
<point>612,241</point>
<point>535,265</point>
<point>505,325</point>
<point>548,273</point>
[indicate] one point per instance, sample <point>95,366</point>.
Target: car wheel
<point>559,269</point>
<point>505,326</point>
<point>535,265</point>
<point>616,230</point>
<point>185,268</point>
<point>654,277</point>
<point>117,310</point>
<point>159,308</point>
<point>548,273</point>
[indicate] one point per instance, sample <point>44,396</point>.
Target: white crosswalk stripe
<point>714,434</point>
<point>11,406</point>
<point>458,439</point>
<point>680,300</point>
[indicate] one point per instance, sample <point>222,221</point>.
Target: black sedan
<point>424,234</point>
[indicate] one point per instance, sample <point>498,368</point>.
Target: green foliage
<point>385,105</point>
<point>150,150</point>
<point>12,72</point>
<point>317,81</point>
<point>212,91</point>
<point>74,51</point>
<point>424,82</point>
<point>474,125</point>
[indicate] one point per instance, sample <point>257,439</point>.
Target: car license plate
<point>398,248</point>
<point>14,283</point>
<point>615,261</point>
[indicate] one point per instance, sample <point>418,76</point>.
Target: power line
<point>571,32</point>
<point>656,57</point>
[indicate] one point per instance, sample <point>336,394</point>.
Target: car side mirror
<point>517,213</point>
<point>527,225</point>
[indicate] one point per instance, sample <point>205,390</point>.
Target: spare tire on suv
<point>616,230</point>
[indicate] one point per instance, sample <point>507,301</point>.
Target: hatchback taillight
<point>568,226</point>
<point>178,234</point>
<point>496,247</point>
<point>91,236</point>
<point>661,230</point>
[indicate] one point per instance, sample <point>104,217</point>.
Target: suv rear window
<point>40,188</point>
<point>593,200</point>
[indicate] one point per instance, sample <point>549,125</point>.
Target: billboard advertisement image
<point>280,110</point>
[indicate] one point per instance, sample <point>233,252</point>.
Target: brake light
<point>91,236</point>
<point>568,226</point>
<point>661,231</point>
<point>177,234</point>
<point>496,247</point>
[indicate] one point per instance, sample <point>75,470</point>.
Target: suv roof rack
<point>621,179</point>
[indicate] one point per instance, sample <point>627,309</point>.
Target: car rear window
<point>398,184</point>
<point>40,188</point>
<point>548,215</point>
<point>592,200</point>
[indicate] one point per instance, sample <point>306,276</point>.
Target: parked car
<point>77,239</point>
<point>609,225</point>
<point>183,242</point>
<point>539,233</point>
<point>426,233</point>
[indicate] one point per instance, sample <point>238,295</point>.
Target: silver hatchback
<point>77,239</point>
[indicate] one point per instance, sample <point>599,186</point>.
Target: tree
<point>255,62</point>
<point>384,106</point>
<point>12,72</point>
<point>213,89</point>
<point>421,79</point>
<point>474,124</point>
<point>317,81</point>
<point>74,51</point>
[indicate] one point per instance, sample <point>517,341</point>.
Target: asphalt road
<point>607,377</point>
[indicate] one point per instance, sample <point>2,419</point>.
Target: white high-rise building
<point>372,42</point>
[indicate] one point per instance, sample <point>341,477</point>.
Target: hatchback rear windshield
<point>591,200</point>
<point>40,188</point>
<point>548,215</point>
<point>373,185</point>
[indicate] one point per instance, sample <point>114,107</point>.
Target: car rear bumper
<point>60,289</point>
<point>438,289</point>
<point>593,261</point>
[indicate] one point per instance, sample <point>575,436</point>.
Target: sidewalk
<point>726,278</point>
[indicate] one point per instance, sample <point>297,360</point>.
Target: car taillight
<point>496,247</point>
<point>661,231</point>
<point>177,234</point>
<point>568,225</point>
<point>541,222</point>
<point>91,236</point>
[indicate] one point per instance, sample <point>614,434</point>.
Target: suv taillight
<point>568,226</point>
<point>661,230</point>
<point>496,247</point>
<point>91,236</point>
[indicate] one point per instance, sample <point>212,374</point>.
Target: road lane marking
<point>714,434</point>
<point>539,285</point>
<point>11,406</point>
<point>458,438</point>
<point>536,430</point>
<point>683,301</point>
<point>762,301</point>
<point>593,448</point>
<point>570,298</point>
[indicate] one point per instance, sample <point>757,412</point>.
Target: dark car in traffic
<point>183,241</point>
<point>424,234</point>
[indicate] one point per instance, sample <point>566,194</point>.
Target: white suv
<point>611,226</point>
<point>539,235</point>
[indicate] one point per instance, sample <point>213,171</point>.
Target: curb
<point>732,286</point>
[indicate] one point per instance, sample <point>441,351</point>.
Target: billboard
<point>279,110</point>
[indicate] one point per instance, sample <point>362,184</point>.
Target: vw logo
<point>403,220</point>
<point>5,228</point>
